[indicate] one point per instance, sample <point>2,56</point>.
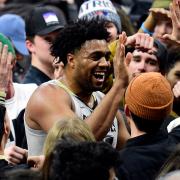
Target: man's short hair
<point>72,37</point>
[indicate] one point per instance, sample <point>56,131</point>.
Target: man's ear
<point>71,60</point>
<point>30,46</point>
<point>127,111</point>
<point>128,58</point>
<point>128,117</point>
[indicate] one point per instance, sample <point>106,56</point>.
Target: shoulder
<point>48,96</point>
<point>47,103</point>
<point>49,92</point>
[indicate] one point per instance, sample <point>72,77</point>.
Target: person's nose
<point>142,66</point>
<point>162,29</point>
<point>104,62</point>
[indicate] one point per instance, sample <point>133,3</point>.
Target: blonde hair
<point>74,128</point>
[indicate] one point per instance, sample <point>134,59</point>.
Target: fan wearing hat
<point>105,10</point>
<point>17,96</point>
<point>13,26</point>
<point>148,100</point>
<point>42,25</point>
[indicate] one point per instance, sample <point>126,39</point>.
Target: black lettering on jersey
<point>113,128</point>
<point>108,139</point>
<point>84,116</point>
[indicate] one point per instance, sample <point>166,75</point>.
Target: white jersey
<point>83,111</point>
<point>18,102</point>
<point>36,138</point>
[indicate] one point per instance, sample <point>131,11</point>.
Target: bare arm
<point>5,67</point>
<point>47,105</point>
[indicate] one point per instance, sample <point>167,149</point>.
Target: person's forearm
<point>102,117</point>
<point>148,24</point>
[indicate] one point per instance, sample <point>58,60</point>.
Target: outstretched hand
<point>173,39</point>
<point>120,71</point>
<point>5,67</point>
<point>159,13</point>
<point>141,41</point>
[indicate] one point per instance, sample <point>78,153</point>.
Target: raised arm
<point>13,153</point>
<point>5,67</point>
<point>102,117</point>
<point>174,38</point>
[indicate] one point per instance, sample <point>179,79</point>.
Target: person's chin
<point>98,87</point>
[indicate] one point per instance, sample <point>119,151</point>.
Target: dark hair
<point>74,35</point>
<point>83,160</point>
<point>173,58</point>
<point>2,116</point>
<point>161,55</point>
<point>22,174</point>
<point>146,125</point>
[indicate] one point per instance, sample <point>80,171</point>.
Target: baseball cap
<point>5,41</point>
<point>43,20</point>
<point>13,26</point>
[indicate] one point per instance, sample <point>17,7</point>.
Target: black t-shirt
<point>36,76</point>
<point>144,155</point>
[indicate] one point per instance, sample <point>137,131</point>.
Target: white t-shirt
<point>18,102</point>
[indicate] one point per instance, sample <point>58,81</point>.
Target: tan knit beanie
<point>149,96</point>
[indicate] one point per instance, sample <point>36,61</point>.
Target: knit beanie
<point>103,9</point>
<point>5,41</point>
<point>149,96</point>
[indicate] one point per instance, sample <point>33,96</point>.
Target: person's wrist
<point>145,30</point>
<point>149,23</point>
